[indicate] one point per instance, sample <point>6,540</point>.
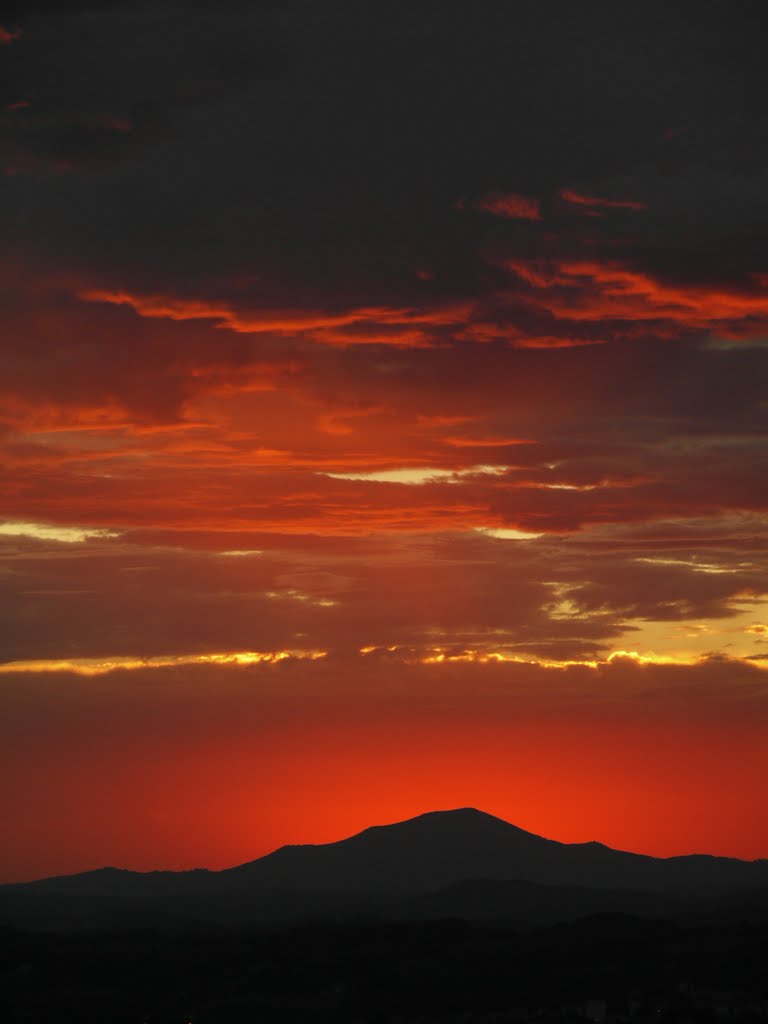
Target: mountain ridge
<point>440,847</point>
<point>450,814</point>
<point>394,869</point>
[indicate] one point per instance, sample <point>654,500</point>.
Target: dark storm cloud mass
<point>327,145</point>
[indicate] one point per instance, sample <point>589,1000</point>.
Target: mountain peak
<point>469,818</point>
<point>459,812</point>
<point>450,814</point>
<point>455,823</point>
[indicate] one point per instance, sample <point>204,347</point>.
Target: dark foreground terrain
<point>603,968</point>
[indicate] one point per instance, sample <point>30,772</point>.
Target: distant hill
<point>460,863</point>
<point>443,847</point>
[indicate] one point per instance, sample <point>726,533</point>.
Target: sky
<point>383,414</point>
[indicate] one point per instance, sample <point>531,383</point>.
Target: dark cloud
<point>283,169</point>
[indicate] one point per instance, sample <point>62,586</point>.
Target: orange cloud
<point>485,442</point>
<point>586,290</point>
<point>594,203</point>
<point>554,341</point>
<point>374,334</point>
<point>382,322</point>
<point>510,205</point>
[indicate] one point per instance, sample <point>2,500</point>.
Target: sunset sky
<point>383,416</point>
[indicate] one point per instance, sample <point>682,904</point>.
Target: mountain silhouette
<point>452,863</point>
<point>443,847</point>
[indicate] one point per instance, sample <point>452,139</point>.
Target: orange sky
<point>359,457</point>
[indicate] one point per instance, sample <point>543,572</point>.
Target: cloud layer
<point>373,348</point>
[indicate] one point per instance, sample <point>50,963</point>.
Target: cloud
<point>265,387</point>
<point>485,442</point>
<point>121,663</point>
<point>420,475</point>
<point>506,533</point>
<point>61,534</point>
<point>582,290</point>
<point>510,205</point>
<point>367,325</point>
<point>595,203</point>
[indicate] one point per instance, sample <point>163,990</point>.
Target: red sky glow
<point>379,433</point>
